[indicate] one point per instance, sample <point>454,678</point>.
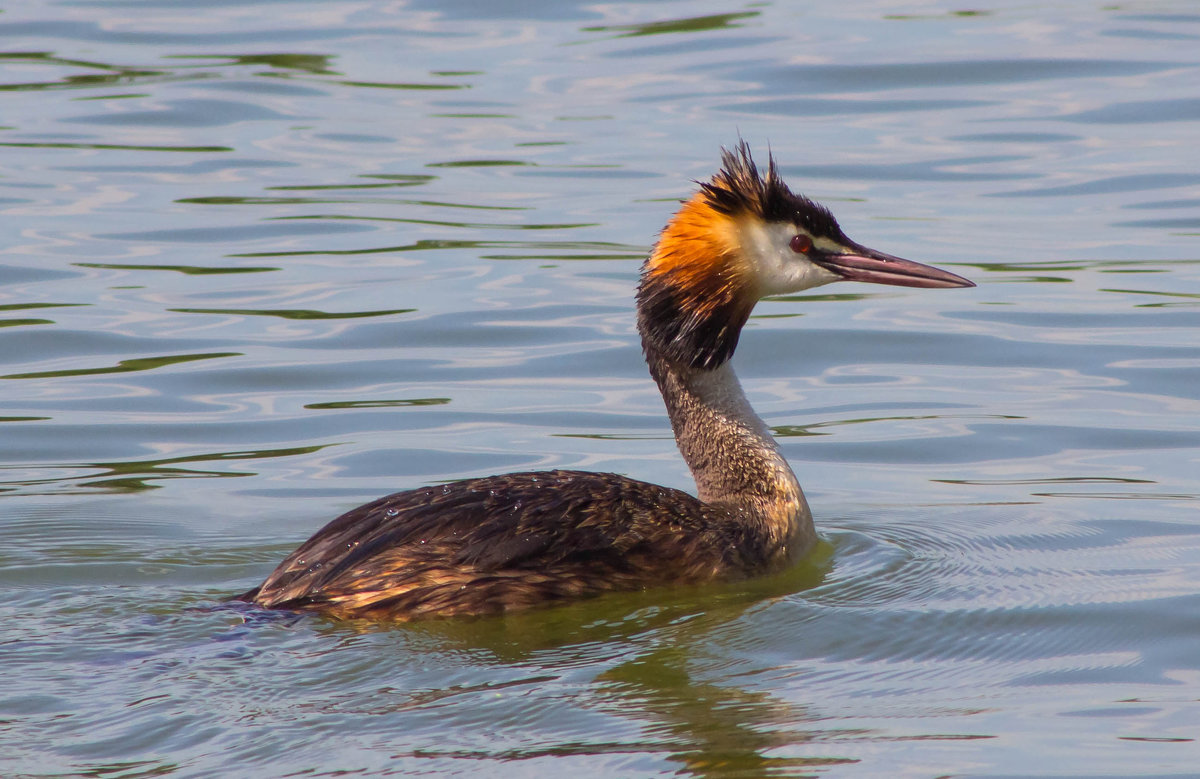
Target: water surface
<point>265,261</point>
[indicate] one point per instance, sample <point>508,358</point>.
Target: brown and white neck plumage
<point>743,236</point>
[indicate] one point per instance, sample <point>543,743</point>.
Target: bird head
<point>744,235</point>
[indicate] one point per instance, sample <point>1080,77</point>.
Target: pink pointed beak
<point>863,264</point>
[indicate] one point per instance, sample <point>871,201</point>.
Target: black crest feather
<point>739,188</point>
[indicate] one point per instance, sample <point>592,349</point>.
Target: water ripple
<point>267,262</point>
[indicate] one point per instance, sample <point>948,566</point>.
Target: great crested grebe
<point>517,540</point>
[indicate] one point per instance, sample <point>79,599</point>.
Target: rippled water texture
<point>264,261</point>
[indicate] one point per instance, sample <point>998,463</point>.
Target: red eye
<point>801,244</point>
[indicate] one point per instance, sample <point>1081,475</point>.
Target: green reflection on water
<point>687,24</point>
<point>392,179</point>
<point>627,252</point>
<point>293,313</point>
<point>136,475</point>
<point>116,74</point>
<point>479,164</point>
<point>710,729</point>
<point>124,366</point>
<point>822,298</point>
<point>402,85</point>
<point>614,436</point>
<point>796,431</point>
<point>473,116</point>
<point>24,322</point>
<point>1055,480</point>
<point>116,146</point>
<point>377,403</point>
<point>126,476</point>
<point>1188,295</point>
<point>560,257</point>
<point>114,96</point>
<point>27,306</point>
<point>218,200</point>
<point>191,270</point>
<point>948,14</point>
<point>316,64</point>
<point>437,222</point>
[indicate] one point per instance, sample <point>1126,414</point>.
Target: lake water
<point>265,261</point>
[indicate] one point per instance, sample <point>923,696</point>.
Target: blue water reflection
<point>265,261</point>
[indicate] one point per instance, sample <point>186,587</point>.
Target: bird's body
<point>514,541</point>
<point>508,542</point>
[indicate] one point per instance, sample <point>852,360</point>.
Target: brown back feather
<point>509,541</point>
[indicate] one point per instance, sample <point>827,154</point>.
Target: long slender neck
<point>732,455</point>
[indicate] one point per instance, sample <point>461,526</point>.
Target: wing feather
<point>510,539</point>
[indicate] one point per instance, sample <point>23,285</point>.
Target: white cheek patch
<point>774,265</point>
